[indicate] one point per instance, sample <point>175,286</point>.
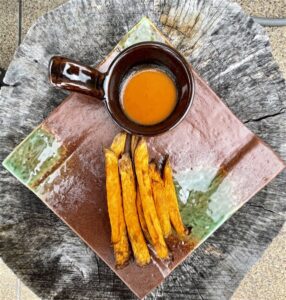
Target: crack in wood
<point>260,206</point>
<point>197,289</point>
<point>2,75</point>
<point>280,112</point>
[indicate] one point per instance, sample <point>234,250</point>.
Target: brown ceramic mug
<point>71,75</point>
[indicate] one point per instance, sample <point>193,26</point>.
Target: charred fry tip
<point>167,160</point>
<point>155,173</point>
<point>153,161</point>
<point>119,266</point>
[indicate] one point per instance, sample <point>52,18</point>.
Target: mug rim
<point>146,130</point>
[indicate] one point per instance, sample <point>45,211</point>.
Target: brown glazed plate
<point>218,165</point>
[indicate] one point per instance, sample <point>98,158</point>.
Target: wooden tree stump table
<point>231,53</point>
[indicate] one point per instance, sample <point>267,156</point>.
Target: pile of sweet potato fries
<point>142,204</point>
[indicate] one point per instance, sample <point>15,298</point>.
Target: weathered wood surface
<point>231,53</point>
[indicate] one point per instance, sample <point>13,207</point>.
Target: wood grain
<point>231,53</point>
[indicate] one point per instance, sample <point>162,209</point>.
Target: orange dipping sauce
<point>149,96</point>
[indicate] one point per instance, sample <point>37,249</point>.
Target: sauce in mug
<point>148,96</point>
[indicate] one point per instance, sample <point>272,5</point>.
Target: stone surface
<point>266,280</point>
<point>26,293</point>
<point>264,8</point>
<point>8,31</point>
<point>33,9</point>
<point>8,281</point>
<point>277,35</point>
<point>11,288</point>
<point>250,291</point>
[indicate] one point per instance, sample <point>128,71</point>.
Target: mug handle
<point>70,75</point>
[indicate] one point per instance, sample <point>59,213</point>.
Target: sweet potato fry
<point>159,196</point>
<point>139,247</point>
<point>142,171</point>
<point>118,144</point>
<point>141,216</point>
<point>115,210</point>
<point>134,142</point>
<point>172,201</point>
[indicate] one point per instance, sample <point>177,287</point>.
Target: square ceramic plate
<point>218,165</point>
